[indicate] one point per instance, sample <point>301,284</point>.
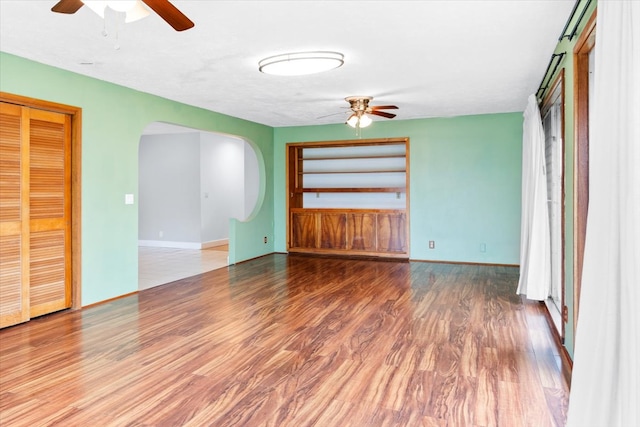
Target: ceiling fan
<point>164,8</point>
<point>361,110</point>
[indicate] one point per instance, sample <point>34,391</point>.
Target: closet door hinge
<point>565,314</point>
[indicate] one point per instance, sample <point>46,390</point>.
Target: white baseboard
<point>214,243</point>
<point>167,244</point>
<point>183,245</point>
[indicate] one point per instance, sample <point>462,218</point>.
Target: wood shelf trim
<point>346,211</point>
<point>351,142</point>
<point>352,190</point>
<point>355,172</point>
<point>350,253</point>
<point>379,156</point>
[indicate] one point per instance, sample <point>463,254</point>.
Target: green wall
<point>465,183</point>
<point>113,118</point>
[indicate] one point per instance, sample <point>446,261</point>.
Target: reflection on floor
<point>157,266</point>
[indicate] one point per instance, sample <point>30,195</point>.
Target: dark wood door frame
<point>583,47</point>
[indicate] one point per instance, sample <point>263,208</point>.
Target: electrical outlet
<point>483,247</point>
<point>160,234</point>
<point>265,239</point>
<point>432,244</point>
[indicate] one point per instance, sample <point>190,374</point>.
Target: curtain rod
<point>546,74</point>
<point>575,26</point>
<point>557,57</point>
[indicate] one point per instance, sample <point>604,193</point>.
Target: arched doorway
<point>191,182</point>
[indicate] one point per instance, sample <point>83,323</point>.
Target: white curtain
<point>535,258</point>
<point>606,371</point>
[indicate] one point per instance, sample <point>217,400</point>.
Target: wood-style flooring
<point>293,341</point>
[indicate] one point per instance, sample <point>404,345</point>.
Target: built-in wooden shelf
<point>372,224</point>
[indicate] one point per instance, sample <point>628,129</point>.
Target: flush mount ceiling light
<point>301,63</point>
<point>134,9</point>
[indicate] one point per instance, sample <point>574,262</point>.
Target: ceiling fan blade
<point>329,115</point>
<point>67,6</point>
<point>170,13</point>
<point>383,107</point>
<point>382,114</point>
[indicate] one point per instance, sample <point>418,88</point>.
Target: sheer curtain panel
<point>604,389</point>
<point>535,268</point>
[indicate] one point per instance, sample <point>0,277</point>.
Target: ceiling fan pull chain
<point>117,19</point>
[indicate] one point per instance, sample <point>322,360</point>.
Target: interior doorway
<point>191,183</point>
<point>158,266</point>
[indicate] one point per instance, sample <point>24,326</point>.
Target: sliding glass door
<point>552,121</point>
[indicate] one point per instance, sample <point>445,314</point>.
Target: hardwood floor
<point>293,341</point>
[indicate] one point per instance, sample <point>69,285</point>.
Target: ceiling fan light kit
<point>362,110</point>
<point>301,63</point>
<point>134,9</point>
<point>361,121</point>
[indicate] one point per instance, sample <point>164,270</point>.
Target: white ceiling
<point>430,58</point>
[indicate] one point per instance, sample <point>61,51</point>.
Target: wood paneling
<point>294,341</point>
<point>391,230</point>
<point>361,232</point>
<point>333,231</point>
<point>370,232</point>
<point>304,230</point>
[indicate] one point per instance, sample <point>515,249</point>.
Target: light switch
<point>128,199</point>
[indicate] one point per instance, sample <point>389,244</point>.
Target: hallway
<point>158,266</point>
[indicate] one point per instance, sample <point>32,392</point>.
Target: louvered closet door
<point>14,229</point>
<point>49,212</point>
<point>35,257</point>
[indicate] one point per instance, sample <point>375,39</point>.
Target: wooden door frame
<point>583,47</point>
<point>75,114</point>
